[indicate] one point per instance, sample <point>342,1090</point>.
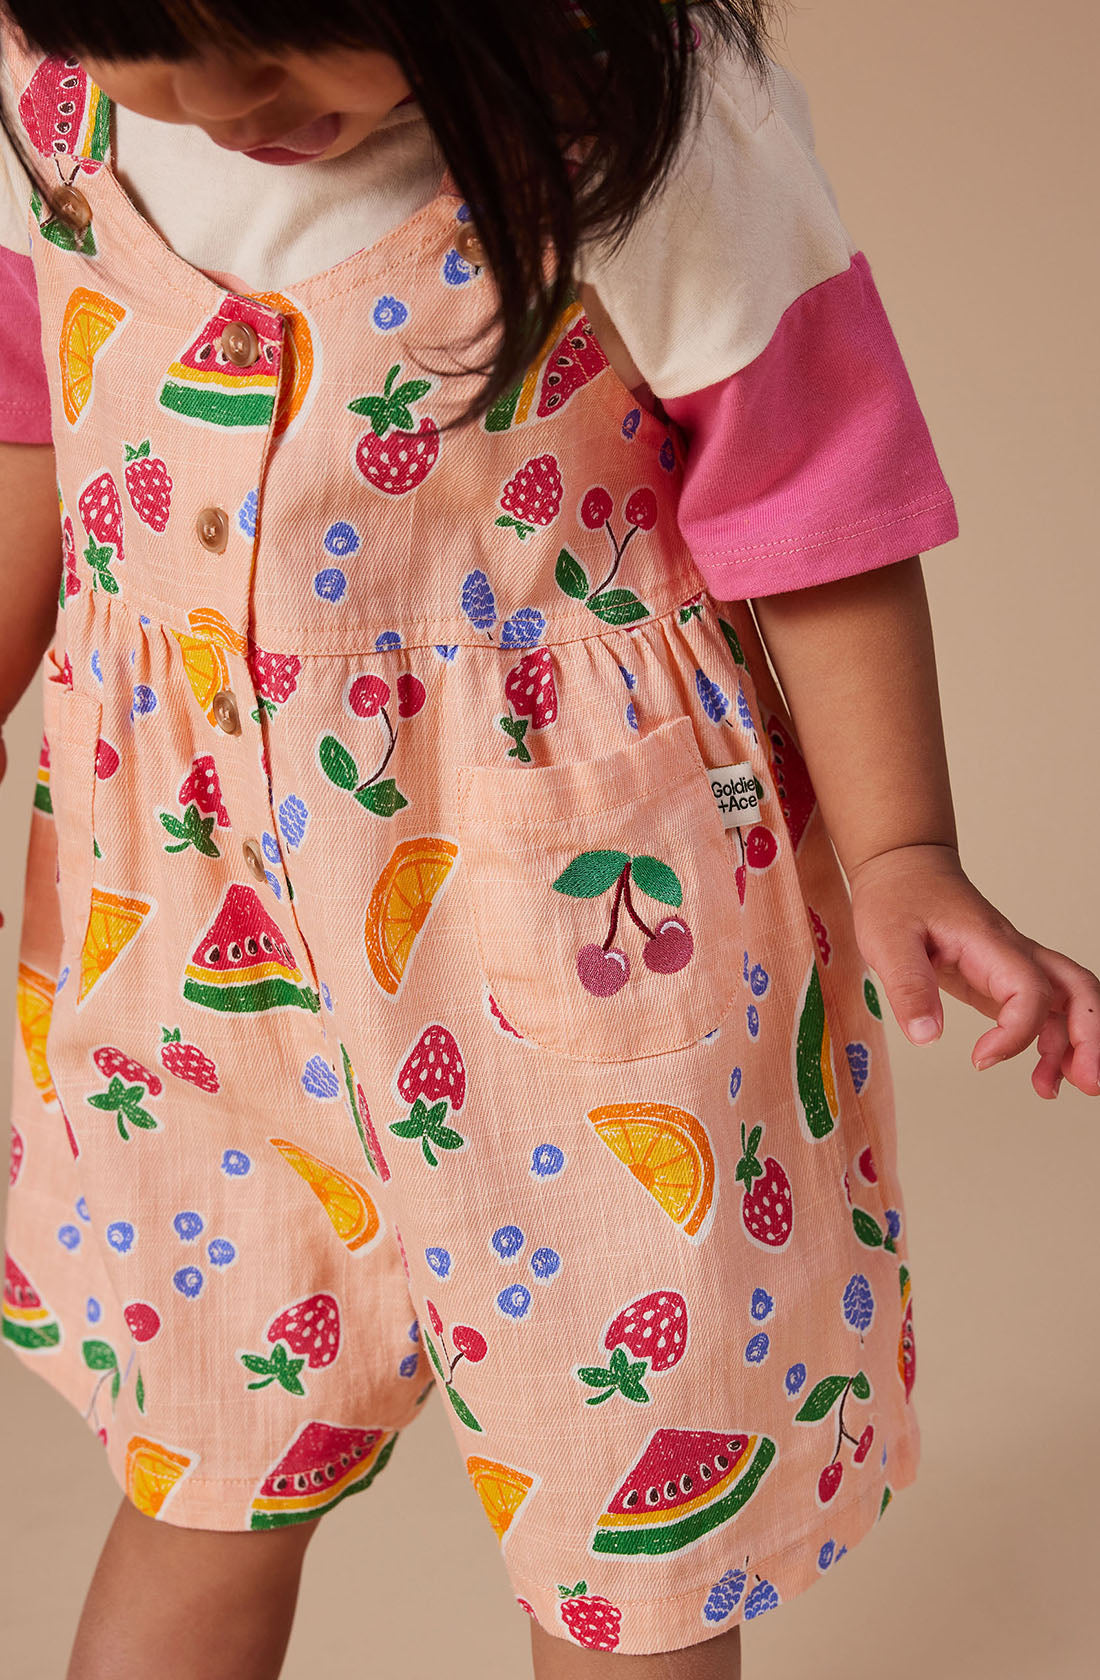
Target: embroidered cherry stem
<point>840,1419</point>
<point>90,1409</point>
<point>620,884</point>
<point>618,550</point>
<point>388,754</point>
<point>633,914</point>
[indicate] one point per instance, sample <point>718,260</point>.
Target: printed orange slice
<point>112,924</point>
<point>90,319</point>
<point>298,359</point>
<point>152,1471</point>
<point>668,1152</point>
<point>399,904</point>
<point>501,1490</point>
<point>206,668</point>
<point>34,1005</point>
<point>353,1214</point>
<point>209,623</point>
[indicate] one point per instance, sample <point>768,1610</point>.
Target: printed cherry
<point>469,1342</point>
<point>829,1481</point>
<point>760,847</point>
<point>603,973</point>
<point>741,875</point>
<point>864,1446</point>
<point>597,508</point>
<point>670,948</point>
<point>368,695</point>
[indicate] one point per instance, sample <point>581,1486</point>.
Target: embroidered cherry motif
<point>604,969</point>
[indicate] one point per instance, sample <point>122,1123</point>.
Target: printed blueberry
<point>120,1235</point>
<point>414,1330</point>
<point>478,601</point>
<point>246,513</point>
<point>762,1597</point>
<point>93,1310</point>
<point>743,712</point>
<point>69,1236</point>
<point>270,846</point>
<point>756,1350</point>
<point>235,1163</point>
<point>667,456</point>
<point>544,1263</point>
<point>546,1160</point>
<point>446,652</point>
<point>859,1063</point>
<point>752,1019</point>
<point>843,1552</point>
<point>735,1084</point>
<point>62,977</point>
<point>463,213</point>
<point>514,1301</point>
<point>745,968</point>
<point>439,1260</point>
<point>893,1223</point>
<point>319,1079</point>
<point>330,584</point>
<point>628,676</point>
<point>714,702</point>
<point>762,1305</point>
<point>388,639</point>
<point>456,270</point>
<point>389,312</point>
<point>631,424</point>
<point>408,1365</point>
<point>97,669</point>
<point>82,1208</point>
<point>342,539</point>
<point>188,1280</point>
<point>825,1555</point>
<point>143,702</point>
<point>795,1378</point>
<point>631,715</point>
<point>133,655</point>
<point>759,980</point>
<point>274,883</point>
<point>221,1252</point>
<point>293,820</point>
<point>326,997</point>
<point>859,1303</point>
<point>188,1225</point>
<point>523,629</point>
<point>507,1240</point>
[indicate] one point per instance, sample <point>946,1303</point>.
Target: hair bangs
<point>171,30</point>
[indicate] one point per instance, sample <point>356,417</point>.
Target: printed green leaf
<point>338,764</point>
<point>463,1410</point>
<point>590,874</point>
<point>597,1377</point>
<point>903,1275</point>
<point>445,1137</point>
<point>383,798</point>
<point>434,1356</point>
<point>821,1399</point>
<point>517,729</point>
<point>375,409</point>
<point>410,1128</point>
<point>889,1244</point>
<point>731,640</point>
<point>867,1229</point>
<point>571,575</point>
<point>256,1362</point>
<point>656,879</point>
<point>139,1392</point>
<point>116,1384</point>
<point>99,1356</point>
<point>618,606</point>
<point>861,1388</point>
<point>427,1148</point>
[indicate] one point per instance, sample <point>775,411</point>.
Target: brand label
<point>734,790</point>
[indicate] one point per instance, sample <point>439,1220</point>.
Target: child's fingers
<point>1077,997</point>
<point>912,989</point>
<point>1024,997</point>
<point>1054,1055</point>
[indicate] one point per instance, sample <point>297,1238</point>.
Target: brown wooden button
<point>254,858</point>
<point>241,344</point>
<point>469,246</point>
<point>212,526</point>
<point>226,714</point>
<point>73,207</point>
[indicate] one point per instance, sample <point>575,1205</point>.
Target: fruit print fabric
<point>315,1136</point>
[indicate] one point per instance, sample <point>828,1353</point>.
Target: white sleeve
<point>745,223</point>
<point>15,188</point>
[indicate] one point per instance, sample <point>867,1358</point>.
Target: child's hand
<point>921,924</point>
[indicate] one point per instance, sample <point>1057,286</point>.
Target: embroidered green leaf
<point>867,1229</point>
<point>590,874</point>
<point>338,764</point>
<point>861,1388</point>
<point>383,798</point>
<point>463,1410</point>
<point>656,879</point>
<point>821,1400</point>
<point>99,1356</point>
<point>571,575</point>
<point>618,606</point>
<point>731,639</point>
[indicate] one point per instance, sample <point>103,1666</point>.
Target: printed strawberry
<point>531,690</point>
<point>201,787</point>
<point>592,1621</point>
<point>397,454</point>
<point>654,1328</point>
<point>570,365</point>
<point>110,1061</point>
<point>533,496</point>
<point>767,1207</point>
<point>364,1125</point>
<point>16,1154</point>
<point>101,510</point>
<point>148,485</point>
<point>71,585</point>
<point>187,1061</point>
<point>310,1327</point>
<point>434,1069</point>
<point>275,676</point>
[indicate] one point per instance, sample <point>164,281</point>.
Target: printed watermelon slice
<point>205,386</point>
<point>686,1483</point>
<point>242,964</point>
<point>64,113</point>
<point>572,359</point>
<point>27,1322</point>
<point>322,1465</point>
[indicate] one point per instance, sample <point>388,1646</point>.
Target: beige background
<point>962,143</point>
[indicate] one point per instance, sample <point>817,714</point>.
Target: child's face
<point>297,108</point>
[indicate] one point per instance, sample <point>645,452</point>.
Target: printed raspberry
<point>533,496</point>
<point>148,485</point>
<point>310,1327</point>
<point>531,690</point>
<point>592,1621</point>
<point>274,674</point>
<point>101,510</point>
<point>202,788</point>
<point>110,1061</point>
<point>187,1061</point>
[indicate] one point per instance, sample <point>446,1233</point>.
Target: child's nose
<point>224,90</point>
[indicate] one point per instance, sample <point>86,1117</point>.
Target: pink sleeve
<point>24,392</point>
<point>814,462</point>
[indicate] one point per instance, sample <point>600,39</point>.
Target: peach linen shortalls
<point>411,1012</point>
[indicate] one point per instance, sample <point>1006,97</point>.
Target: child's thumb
<point>913,991</point>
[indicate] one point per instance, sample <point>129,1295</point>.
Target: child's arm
<point>856,661</point>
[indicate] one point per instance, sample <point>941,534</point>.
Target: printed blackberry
<point>725,1595</point>
<point>859,1303</point>
<point>293,820</point>
<point>859,1062</point>
<point>714,702</point>
<point>319,1079</point>
<point>523,629</point>
<point>762,1597</point>
<point>478,601</point>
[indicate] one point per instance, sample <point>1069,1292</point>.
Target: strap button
<point>70,203</point>
<point>226,714</point>
<point>469,247</point>
<point>241,344</point>
<point>254,858</point>
<point>212,526</point>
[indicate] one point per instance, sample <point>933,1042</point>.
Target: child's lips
<point>309,140</point>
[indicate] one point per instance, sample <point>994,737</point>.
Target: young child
<point>436,968</point>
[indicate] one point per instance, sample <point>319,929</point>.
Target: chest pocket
<point>72,723</point>
<point>603,897</point>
